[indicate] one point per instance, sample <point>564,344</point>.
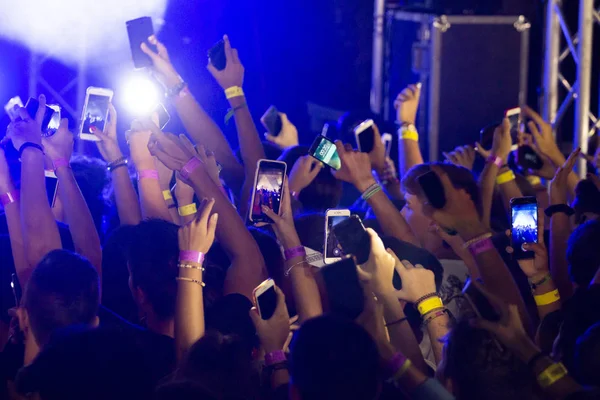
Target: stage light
<point>140,95</point>
<point>72,30</point>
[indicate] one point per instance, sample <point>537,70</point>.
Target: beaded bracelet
<point>190,266</point>
<point>535,285</point>
<point>433,314</point>
<point>427,296</point>
<point>184,279</point>
<point>468,243</point>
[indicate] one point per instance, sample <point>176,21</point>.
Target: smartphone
<point>386,139</point>
<point>332,249</point>
<point>162,116</point>
<point>16,289</point>
<point>325,151</point>
<point>32,107</point>
<point>480,304</point>
<point>344,293</point>
<point>353,238</point>
<point>433,189</point>
<point>524,226</point>
<point>9,107</point>
<point>139,30</point>
<point>51,186</point>
<point>365,136</point>
<point>268,188</point>
<point>271,120</point>
<point>216,55</point>
<point>529,159</point>
<point>265,298</point>
<point>95,112</point>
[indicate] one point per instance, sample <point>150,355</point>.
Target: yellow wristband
<point>534,180</point>
<point>505,177</point>
<point>408,134</point>
<point>402,370</point>
<point>552,374</point>
<point>430,304</point>
<point>234,91</point>
<point>187,210</point>
<point>167,195</point>
<point>547,298</point>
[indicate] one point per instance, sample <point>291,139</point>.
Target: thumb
<point>480,150</point>
<point>271,138</point>
<point>211,68</point>
<point>256,320</point>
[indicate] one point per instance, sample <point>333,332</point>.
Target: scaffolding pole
<point>579,47</point>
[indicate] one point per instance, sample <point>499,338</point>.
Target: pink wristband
<point>9,198</point>
<point>493,159</point>
<point>189,167</point>
<point>148,173</point>
<point>60,162</point>
<point>481,246</point>
<point>294,252</point>
<point>191,256</point>
<point>395,363</point>
<point>275,357</point>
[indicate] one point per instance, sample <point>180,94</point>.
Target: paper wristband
<point>294,252</point>
<point>191,256</point>
<point>167,195</point>
<point>60,162</point>
<point>505,177</point>
<point>497,161</point>
<point>148,173</point>
<point>189,167</point>
<point>550,375</point>
<point>534,180</point>
<point>190,209</point>
<point>547,298</point>
<point>9,198</point>
<point>275,357</point>
<point>430,304</point>
<point>408,134</point>
<point>234,91</point>
<point>481,246</point>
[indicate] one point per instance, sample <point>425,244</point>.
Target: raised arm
<point>196,121</point>
<point>128,206</point>
<point>195,239</point>
<point>76,212</point>
<point>407,104</point>
<point>40,233</point>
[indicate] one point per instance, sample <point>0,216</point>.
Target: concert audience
<point>157,293</point>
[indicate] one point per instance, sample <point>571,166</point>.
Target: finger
<point>148,51</point>
<point>271,138</point>
<point>363,276</point>
<point>228,52</point>
<point>450,157</point>
<point>256,319</point>
<point>398,264</point>
<point>348,148</point>
<point>205,211</point>
<point>587,157</point>
<point>534,131</point>
<point>570,163</point>
<point>341,149</point>
<point>287,198</point>
<point>280,297</point>
<point>480,150</point>
<point>212,225</point>
<point>235,56</point>
<point>211,68</point>
<point>270,213</point>
<point>190,146</point>
<point>528,112</point>
<point>538,248</point>
<point>407,264</point>
<point>160,47</point>
<point>540,227</point>
<point>112,116</point>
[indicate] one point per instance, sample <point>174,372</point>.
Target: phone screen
<point>96,113</point>
<point>333,248</point>
<point>353,238</point>
<point>325,151</point>
<point>269,184</point>
<point>139,30</point>
<point>524,226</point>
<point>366,140</point>
<point>344,292</point>
<point>32,107</point>
<point>433,189</point>
<point>267,302</point>
<point>10,107</point>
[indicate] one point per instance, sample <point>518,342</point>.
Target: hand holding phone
<point>353,238</point>
<point>324,150</point>
<point>268,189</point>
<point>365,136</point>
<point>95,112</point>
<point>332,250</point>
<point>345,294</point>
<point>270,317</point>
<point>271,120</point>
<point>216,55</point>
<point>139,30</point>
<point>524,227</point>
<point>12,107</point>
<point>265,299</point>
<point>32,107</point>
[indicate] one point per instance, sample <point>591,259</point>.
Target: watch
<point>559,208</point>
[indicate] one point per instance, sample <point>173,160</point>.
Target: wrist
<point>524,348</point>
<point>272,348</point>
<point>144,163</point>
<point>237,101</point>
<point>289,240</point>
<point>468,230</point>
<point>111,158</point>
<point>365,183</point>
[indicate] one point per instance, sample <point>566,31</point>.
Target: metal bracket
<point>441,23</point>
<point>521,25</point>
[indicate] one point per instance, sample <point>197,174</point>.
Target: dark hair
<point>322,193</point>
<point>460,177</point>
<point>333,358</point>
<point>222,366</point>
<point>152,258</point>
<point>480,369</point>
<point>63,290</point>
<point>311,230</point>
<point>582,254</point>
<point>587,356</point>
<point>587,199</point>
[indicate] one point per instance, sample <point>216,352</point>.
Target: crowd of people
<point>125,289</point>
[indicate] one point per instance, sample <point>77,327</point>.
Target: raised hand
<point>416,280</point>
<point>199,234</point>
<point>137,139</point>
<point>210,163</point>
<point>559,188</point>
<point>288,137</point>
<point>407,104</point>
<point>377,155</point>
<point>27,129</point>
<point>233,74</point>
<point>162,67</point>
<point>5,180</point>
<point>273,332</point>
<point>543,137</point>
<point>59,145</point>
<point>304,171</point>
<point>502,141</point>
<point>356,167</point>
<point>536,268</point>
<point>463,156</point>
<point>168,148</point>
<point>284,223</point>
<point>108,146</point>
<point>379,268</point>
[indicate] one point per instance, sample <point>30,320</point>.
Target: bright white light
<point>140,95</point>
<point>74,29</point>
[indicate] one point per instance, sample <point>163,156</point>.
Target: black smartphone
<point>524,226</point>
<point>353,238</point>
<point>139,30</point>
<point>271,120</point>
<point>528,159</point>
<point>480,304</point>
<point>268,188</point>
<point>344,292</point>
<point>216,55</point>
<point>365,136</point>
<point>163,115</point>
<point>51,187</point>
<point>433,189</point>
<point>265,299</point>
<point>32,107</point>
<point>324,150</point>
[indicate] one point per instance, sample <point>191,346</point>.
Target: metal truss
<point>579,47</point>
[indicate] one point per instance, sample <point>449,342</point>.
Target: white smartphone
<point>10,107</point>
<point>386,139</point>
<point>514,117</point>
<point>268,189</point>
<point>265,298</point>
<point>51,186</point>
<point>365,136</point>
<point>95,112</point>
<point>54,122</point>
<point>331,249</point>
